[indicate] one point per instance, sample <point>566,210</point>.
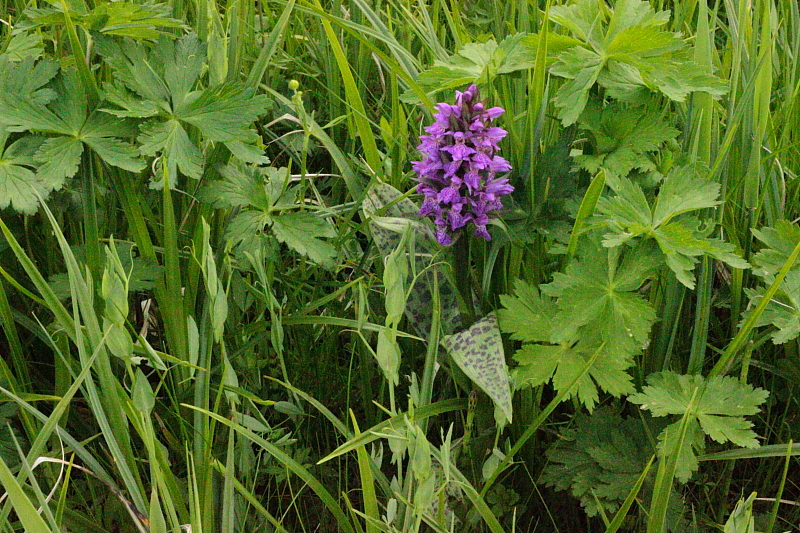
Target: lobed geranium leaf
<point>303,232</point>
<point>162,84</point>
<point>482,62</point>
<point>623,137</point>
<point>600,458</point>
<point>681,238</point>
<point>478,351</point>
<point>625,52</point>
<point>24,46</point>
<point>146,21</point>
<point>59,159</point>
<point>715,405</point>
<point>780,241</point>
<point>27,79</point>
<point>597,293</point>
<point>527,315</point>
<point>19,184</point>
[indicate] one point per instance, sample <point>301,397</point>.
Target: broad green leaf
<point>58,158</point>
<point>146,21</point>
<point>783,310</point>
<point>19,184</point>
<point>225,113</point>
<point>162,83</point>
<point>303,232</point>
<point>598,294</point>
<point>24,46</point>
<point>627,54</point>
<point>681,238</point>
<point>526,315</point>
<point>27,79</point>
<point>623,137</point>
<point>75,125</point>
<point>684,190</point>
<point>720,404</point>
<point>779,243</point>
<point>127,19</point>
<point>478,351</point>
<point>169,139</point>
<point>600,458</point>
<point>582,68</point>
<point>477,63</point>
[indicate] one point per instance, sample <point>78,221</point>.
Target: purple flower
<point>458,176</point>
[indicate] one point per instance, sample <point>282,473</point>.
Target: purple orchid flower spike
<point>458,176</point>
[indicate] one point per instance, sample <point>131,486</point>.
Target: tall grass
<point>159,376</point>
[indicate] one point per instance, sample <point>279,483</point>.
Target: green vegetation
<point>222,311</point>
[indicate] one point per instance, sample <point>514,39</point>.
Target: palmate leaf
<point>527,315</point>
<point>303,232</point>
<point>161,84</point>
<point>600,458</point>
<point>25,46</point>
<point>563,352</point>
<point>124,19</point>
<point>266,200</point>
<point>716,408</point>
<point>623,136</point>
<point>627,54</point>
<point>538,364</point>
<point>681,238</point>
<point>482,62</point>
<point>74,125</point>
<point>27,79</point>
<point>779,242</point>
<point>19,184</point>
<point>598,294</point>
<point>783,310</point>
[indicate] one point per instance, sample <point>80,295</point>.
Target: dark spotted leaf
<point>478,351</point>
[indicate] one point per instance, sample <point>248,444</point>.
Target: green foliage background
<point>220,311</point>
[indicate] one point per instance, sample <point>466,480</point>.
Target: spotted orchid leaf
<point>478,351</point>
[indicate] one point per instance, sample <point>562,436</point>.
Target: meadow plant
<point>459,174</point>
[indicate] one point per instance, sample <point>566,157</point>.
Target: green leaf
<point>27,79</point>
<point>720,403</point>
<point>627,54</point>
<point>680,237</point>
<point>162,83</point>
<point>126,19</point>
<point>780,241</point>
<point>225,113</point>
<point>59,158</point>
<point>623,137</point>
<point>169,139</point>
<point>19,184</point>
<point>303,232</point>
<point>24,46</point>
<point>598,294</point>
<point>144,399</point>
<point>482,62</point>
<point>783,310</point>
<point>68,117</point>
<point>478,351</point>
<point>526,315</point>
<point>600,458</point>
